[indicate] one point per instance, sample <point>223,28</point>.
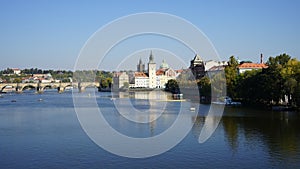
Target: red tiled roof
<point>253,65</point>
<point>160,71</point>
<point>179,71</point>
<point>140,74</point>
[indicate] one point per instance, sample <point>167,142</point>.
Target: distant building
<point>197,67</point>
<point>39,78</point>
<point>141,80</point>
<point>16,71</point>
<point>164,65</point>
<point>140,66</point>
<point>211,63</point>
<point>151,79</point>
<point>120,79</point>
<point>163,75</point>
<point>248,66</point>
<point>152,72</point>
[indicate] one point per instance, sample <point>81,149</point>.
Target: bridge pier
<point>19,88</point>
<point>39,88</point>
<point>81,89</point>
<point>60,89</point>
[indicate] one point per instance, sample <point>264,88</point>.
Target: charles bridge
<point>40,87</point>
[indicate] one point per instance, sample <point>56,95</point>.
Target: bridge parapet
<point>40,87</point>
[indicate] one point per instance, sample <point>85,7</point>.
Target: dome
<point>164,65</point>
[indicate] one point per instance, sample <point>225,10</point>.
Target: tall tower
<point>152,71</point>
<point>140,66</point>
<point>197,67</point>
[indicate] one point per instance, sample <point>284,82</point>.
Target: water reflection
<point>278,131</point>
<point>230,126</point>
<point>46,133</point>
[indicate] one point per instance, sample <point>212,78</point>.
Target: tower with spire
<point>140,66</point>
<point>197,67</point>
<point>152,71</point>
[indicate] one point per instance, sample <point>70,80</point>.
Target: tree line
<point>103,77</point>
<point>265,87</point>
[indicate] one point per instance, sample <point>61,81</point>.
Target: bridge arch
<point>3,87</point>
<point>89,86</point>
<point>47,87</point>
<point>30,86</point>
<point>69,85</point>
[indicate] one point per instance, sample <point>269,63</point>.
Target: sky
<point>49,34</point>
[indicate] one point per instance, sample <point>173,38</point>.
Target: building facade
<point>152,72</point>
<point>140,66</point>
<point>119,80</point>
<point>197,67</point>
<point>151,79</point>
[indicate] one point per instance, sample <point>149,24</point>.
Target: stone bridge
<point>40,87</point>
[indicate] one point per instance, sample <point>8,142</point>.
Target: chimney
<point>261,58</point>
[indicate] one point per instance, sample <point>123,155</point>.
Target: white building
<point>152,72</point>
<point>163,75</point>
<point>120,79</point>
<point>152,79</point>
<point>212,63</point>
<point>250,66</point>
<point>17,71</point>
<point>141,80</point>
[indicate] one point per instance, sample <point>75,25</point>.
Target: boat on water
<point>227,101</point>
<point>282,108</point>
<point>177,96</point>
<point>192,109</point>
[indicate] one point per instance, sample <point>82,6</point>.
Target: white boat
<point>228,102</point>
<point>192,109</point>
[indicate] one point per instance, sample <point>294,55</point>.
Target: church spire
<point>151,58</point>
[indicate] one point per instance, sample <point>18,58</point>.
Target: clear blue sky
<point>49,34</point>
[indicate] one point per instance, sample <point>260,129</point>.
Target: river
<point>42,131</point>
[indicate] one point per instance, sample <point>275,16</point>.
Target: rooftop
<point>253,65</point>
<point>140,74</point>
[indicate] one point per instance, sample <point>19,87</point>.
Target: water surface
<point>42,131</point>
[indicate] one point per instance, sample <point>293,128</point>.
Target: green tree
<point>172,86</point>
<point>231,76</point>
<point>204,86</point>
<point>17,80</point>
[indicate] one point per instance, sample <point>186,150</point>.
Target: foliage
<point>268,86</point>
<point>172,86</point>
<point>231,76</point>
<point>204,86</point>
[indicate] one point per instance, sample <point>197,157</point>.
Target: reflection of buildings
<point>141,95</point>
<point>141,79</point>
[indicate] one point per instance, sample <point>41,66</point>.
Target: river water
<point>42,131</point>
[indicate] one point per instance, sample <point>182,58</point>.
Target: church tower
<point>152,72</point>
<point>140,66</point>
<point>197,67</point>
